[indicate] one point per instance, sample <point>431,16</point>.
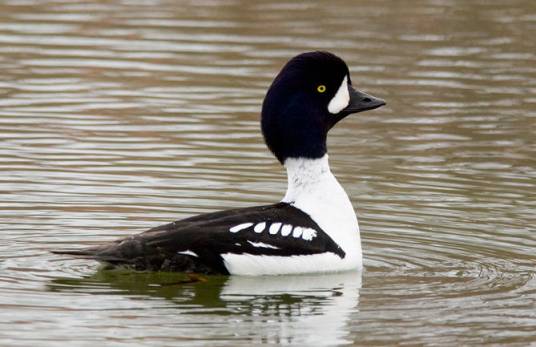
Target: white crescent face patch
<point>341,99</point>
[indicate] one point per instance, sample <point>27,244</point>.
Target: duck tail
<point>82,253</point>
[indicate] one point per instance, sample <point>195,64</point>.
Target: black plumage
<point>295,120</point>
<point>209,236</point>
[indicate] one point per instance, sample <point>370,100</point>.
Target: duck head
<point>311,94</point>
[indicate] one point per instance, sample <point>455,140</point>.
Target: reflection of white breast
<point>305,310</point>
<point>313,189</point>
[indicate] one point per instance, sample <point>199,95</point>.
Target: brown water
<point>117,116</point>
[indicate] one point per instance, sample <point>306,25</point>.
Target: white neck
<point>313,189</point>
<point>305,177</point>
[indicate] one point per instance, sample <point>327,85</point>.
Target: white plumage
<point>313,189</point>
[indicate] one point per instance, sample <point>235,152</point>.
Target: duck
<point>313,229</point>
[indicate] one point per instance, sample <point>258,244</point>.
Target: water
<point>119,116</point>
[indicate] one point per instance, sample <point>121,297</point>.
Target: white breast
<point>313,189</point>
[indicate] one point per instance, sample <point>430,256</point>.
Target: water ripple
<point>118,116</point>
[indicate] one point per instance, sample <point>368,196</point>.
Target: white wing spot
<point>188,252</point>
<point>262,245</point>
<point>286,230</point>
<point>239,227</point>
<point>297,232</point>
<point>274,228</point>
<point>259,227</point>
<point>308,234</point>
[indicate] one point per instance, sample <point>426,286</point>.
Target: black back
<point>209,236</point>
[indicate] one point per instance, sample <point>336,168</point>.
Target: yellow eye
<point>321,88</point>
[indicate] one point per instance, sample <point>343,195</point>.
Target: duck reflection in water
<point>304,309</point>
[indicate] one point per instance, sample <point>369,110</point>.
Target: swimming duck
<point>313,229</point>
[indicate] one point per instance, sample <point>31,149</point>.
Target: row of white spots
<point>306,234</point>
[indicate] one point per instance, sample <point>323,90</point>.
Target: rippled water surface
<point>116,116</point>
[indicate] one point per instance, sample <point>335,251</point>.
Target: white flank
<point>286,230</point>
<point>239,227</point>
<point>188,252</point>
<point>313,189</point>
<point>262,245</point>
<point>253,265</point>
<point>274,228</point>
<point>341,99</point>
<point>259,227</point>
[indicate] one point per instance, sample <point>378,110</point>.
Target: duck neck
<point>309,179</point>
<point>313,189</point>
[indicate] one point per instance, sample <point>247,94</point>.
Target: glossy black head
<point>310,95</point>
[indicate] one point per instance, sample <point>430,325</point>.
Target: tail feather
<point>85,253</point>
<point>126,251</point>
<point>95,253</point>
<point>134,254</point>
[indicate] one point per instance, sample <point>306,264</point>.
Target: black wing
<point>278,229</point>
